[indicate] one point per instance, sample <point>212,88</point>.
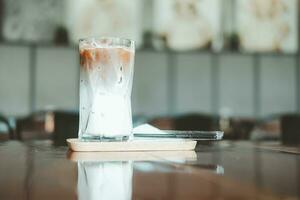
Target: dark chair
<point>65,126</point>
<point>186,122</point>
<point>34,126</point>
<point>290,129</point>
<point>55,125</point>
<point>9,133</point>
<point>239,128</point>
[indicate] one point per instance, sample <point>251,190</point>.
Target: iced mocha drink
<point>106,73</point>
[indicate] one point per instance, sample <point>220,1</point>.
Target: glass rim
<point>111,38</point>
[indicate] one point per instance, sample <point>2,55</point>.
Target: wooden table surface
<point>222,170</point>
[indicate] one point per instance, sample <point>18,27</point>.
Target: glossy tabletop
<point>221,170</point>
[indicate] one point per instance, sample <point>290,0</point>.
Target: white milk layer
<point>110,116</point>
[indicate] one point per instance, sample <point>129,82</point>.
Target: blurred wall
<point>231,83</point>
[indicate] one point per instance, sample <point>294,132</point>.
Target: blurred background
<point>200,64</point>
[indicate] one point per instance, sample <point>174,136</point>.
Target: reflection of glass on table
<point>104,180</point>
<point>106,73</point>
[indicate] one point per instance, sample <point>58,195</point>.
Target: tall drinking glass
<point>106,73</point>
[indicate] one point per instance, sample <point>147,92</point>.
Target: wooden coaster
<point>133,145</point>
<point>175,156</point>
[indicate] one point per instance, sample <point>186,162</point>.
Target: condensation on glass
<point>106,73</point>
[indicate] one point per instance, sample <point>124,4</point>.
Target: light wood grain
<point>133,145</point>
